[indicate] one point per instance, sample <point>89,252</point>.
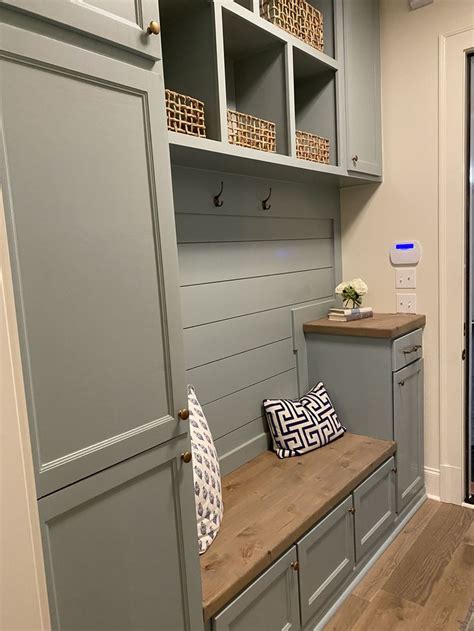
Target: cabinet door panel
<point>269,604</point>
<point>91,230</point>
<point>362,80</point>
<point>408,431</point>
<point>121,547</point>
<point>121,22</point>
<point>374,503</point>
<point>326,556</point>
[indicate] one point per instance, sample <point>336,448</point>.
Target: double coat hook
<point>265,204</point>
<point>218,202</point>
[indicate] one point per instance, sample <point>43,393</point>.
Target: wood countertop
<point>270,503</point>
<point>382,325</point>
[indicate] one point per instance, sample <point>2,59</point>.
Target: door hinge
<point>463,355</point>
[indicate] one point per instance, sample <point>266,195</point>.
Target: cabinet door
<point>408,431</point>
<point>362,82</point>
<point>87,188</point>
<point>121,547</point>
<point>326,556</point>
<point>269,604</point>
<point>121,22</point>
<point>374,503</point>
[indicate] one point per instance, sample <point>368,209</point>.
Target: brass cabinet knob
<point>186,456</point>
<point>352,510</point>
<point>295,565</point>
<point>153,28</point>
<point>355,159</point>
<point>183,414</point>
<point>394,470</point>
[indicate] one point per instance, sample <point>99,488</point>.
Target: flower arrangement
<point>352,291</point>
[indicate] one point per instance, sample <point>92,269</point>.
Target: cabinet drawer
<point>374,503</point>
<point>270,602</point>
<point>326,556</point>
<point>407,349</point>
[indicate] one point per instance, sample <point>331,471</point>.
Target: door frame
<point>454,48</point>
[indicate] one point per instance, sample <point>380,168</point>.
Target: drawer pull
<point>295,565</point>
<point>153,28</point>
<point>183,414</point>
<point>351,511</point>
<point>186,456</point>
<point>413,349</point>
<point>394,470</point>
<point>401,383</point>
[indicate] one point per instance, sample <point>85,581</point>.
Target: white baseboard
<point>323,622</point>
<point>451,484</point>
<point>432,483</point>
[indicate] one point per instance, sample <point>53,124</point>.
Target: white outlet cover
<point>405,278</point>
<point>406,303</point>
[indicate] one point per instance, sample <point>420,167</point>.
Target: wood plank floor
<point>424,581</point>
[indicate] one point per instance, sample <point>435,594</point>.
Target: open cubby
<point>326,7</point>
<point>255,74</point>
<point>315,100</point>
<point>189,55</point>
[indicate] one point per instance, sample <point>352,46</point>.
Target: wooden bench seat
<point>270,503</point>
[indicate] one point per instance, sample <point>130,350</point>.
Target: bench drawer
<point>326,556</point>
<point>374,503</point>
<point>269,603</point>
<point>407,349</point>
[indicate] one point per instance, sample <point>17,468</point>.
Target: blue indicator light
<point>405,246</point>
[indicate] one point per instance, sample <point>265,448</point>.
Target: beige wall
<point>405,206</point>
<point>23,604</point>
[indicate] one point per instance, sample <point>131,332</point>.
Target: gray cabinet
<point>374,504</point>
<point>408,431</point>
<point>326,556</point>
<point>92,237</point>
<point>362,86</point>
<point>120,547</point>
<point>120,22</point>
<point>269,604</point>
<point>382,397</point>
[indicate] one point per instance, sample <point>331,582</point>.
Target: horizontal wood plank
<point>229,413</point>
<point>242,445</point>
<point>382,325</point>
<point>221,378</point>
<point>217,301</point>
<point>193,228</point>
<point>210,262</point>
<point>270,503</point>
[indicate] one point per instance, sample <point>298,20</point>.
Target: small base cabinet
<point>326,557</point>
<point>269,604</point>
<point>374,505</point>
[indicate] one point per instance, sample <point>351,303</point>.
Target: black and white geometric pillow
<point>301,425</point>
<point>206,473</point>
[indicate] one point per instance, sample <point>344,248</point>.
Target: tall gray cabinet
<point>86,181</point>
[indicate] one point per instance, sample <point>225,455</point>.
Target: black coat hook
<point>265,204</point>
<point>217,198</point>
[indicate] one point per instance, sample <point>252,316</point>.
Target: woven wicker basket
<point>185,114</point>
<point>312,147</point>
<point>297,17</point>
<point>249,131</point>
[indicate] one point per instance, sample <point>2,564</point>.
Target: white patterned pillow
<point>207,475</point>
<point>301,425</point>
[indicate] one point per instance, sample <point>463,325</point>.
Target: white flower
<point>340,288</point>
<point>359,285</point>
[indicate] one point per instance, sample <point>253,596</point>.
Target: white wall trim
<point>432,478</point>
<point>453,48</point>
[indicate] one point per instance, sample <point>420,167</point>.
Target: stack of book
<point>346,315</point>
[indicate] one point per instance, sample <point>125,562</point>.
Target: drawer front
<point>374,503</point>
<point>326,556</point>
<point>407,349</point>
<point>269,604</point>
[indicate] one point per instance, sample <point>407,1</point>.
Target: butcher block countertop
<point>382,325</point>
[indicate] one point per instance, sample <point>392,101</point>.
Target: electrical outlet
<point>406,303</point>
<point>406,278</point>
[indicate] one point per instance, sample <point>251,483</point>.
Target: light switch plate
<point>405,278</point>
<point>406,303</point>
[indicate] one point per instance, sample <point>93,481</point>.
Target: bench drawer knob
<point>153,28</point>
<point>295,565</point>
<point>183,414</point>
<point>186,457</point>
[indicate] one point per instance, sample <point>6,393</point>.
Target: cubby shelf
<point>228,56</point>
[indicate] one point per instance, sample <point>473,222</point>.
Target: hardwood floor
<point>424,581</point>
